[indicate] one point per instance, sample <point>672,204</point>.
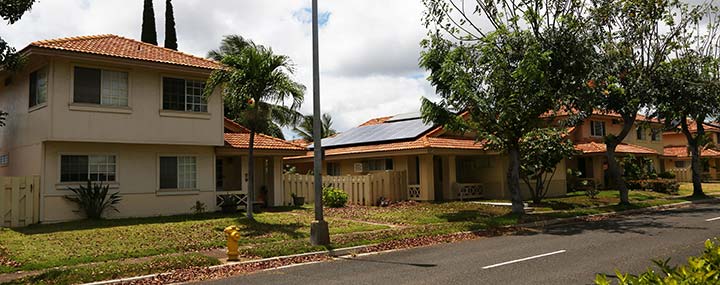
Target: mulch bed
<point>205,273</point>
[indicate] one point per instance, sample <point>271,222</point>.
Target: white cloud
<point>369,48</point>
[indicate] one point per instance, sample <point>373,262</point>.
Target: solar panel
<point>403,117</point>
<point>388,131</point>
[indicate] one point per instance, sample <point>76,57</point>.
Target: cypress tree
<point>170,34</point>
<point>149,35</point>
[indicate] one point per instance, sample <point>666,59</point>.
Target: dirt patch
<point>5,259</point>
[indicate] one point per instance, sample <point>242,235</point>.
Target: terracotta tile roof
<point>692,127</point>
<point>116,46</point>
<point>639,117</point>
<point>424,142</point>
<point>264,142</point>
<point>596,147</point>
<point>235,127</point>
<point>682,151</point>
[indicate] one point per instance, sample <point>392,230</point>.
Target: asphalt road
<point>570,254</point>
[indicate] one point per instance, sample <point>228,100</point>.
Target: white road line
<point>524,259</point>
<point>713,219</point>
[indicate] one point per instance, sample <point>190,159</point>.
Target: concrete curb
<point>349,251</point>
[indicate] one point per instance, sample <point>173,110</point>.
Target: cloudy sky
<point>369,48</point>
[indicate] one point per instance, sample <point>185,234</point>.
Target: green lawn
<point>45,246</point>
<point>277,232</point>
<point>712,189</point>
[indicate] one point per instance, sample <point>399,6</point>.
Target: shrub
<point>667,186</point>
<point>666,175</point>
<point>94,200</point>
<point>334,197</point>
<point>704,269</point>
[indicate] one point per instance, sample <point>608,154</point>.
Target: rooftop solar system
<point>400,127</point>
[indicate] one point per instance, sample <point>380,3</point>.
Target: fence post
<point>15,202</point>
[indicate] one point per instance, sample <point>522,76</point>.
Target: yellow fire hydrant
<point>233,235</point>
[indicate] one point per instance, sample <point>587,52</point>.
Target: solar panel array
<point>388,131</point>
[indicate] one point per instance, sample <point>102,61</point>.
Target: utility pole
<point>319,233</point>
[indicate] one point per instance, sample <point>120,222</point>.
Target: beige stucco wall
<point>584,131</point>
<point>142,122</point>
<point>137,180</point>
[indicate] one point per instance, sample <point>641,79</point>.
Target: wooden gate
<point>19,201</point>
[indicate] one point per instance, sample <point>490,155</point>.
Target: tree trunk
<point>694,146</point>
<point>697,169</point>
<point>615,175</point>
<point>251,178</point>
<point>513,177</point>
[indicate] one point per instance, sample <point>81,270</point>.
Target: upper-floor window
<point>597,129</point>
<point>640,133</point>
<point>38,86</point>
<point>79,168</point>
<point>655,135</point>
<point>99,86</point>
<point>183,95</point>
<point>178,172</point>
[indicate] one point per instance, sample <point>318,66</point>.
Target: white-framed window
<point>81,168</point>
<point>100,86</point>
<point>640,133</point>
<point>39,86</point>
<point>597,129</point>
<point>183,95</point>
<point>4,159</point>
<point>178,172</point>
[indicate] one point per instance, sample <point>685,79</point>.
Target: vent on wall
<point>358,167</point>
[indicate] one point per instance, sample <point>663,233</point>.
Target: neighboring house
<point>678,155</point>
<point>439,164</point>
<point>129,114</point>
<point>644,140</point>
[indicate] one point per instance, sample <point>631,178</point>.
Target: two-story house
<point>677,155</point>
<point>644,140</point>
<point>128,114</point>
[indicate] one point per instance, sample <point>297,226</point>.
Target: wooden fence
<point>682,174</point>
<point>19,201</point>
<point>362,190</point>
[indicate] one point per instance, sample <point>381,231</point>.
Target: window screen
<point>173,94</point>
<point>87,85</point>
<point>168,172</point>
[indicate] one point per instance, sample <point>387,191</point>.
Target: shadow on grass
<point>110,223</point>
<point>254,228</point>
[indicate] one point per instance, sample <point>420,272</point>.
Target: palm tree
<point>305,128</point>
<point>279,116</point>
<point>255,84</point>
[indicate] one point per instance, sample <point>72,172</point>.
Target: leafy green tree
<point>634,39</point>
<point>256,83</point>
<point>688,85</point>
<point>305,128</point>
<point>11,11</point>
<point>533,60</point>
<point>170,33</point>
<point>149,34</point>
<point>540,153</point>
<point>278,114</point>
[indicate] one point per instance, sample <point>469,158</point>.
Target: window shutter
<point>87,85</point>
